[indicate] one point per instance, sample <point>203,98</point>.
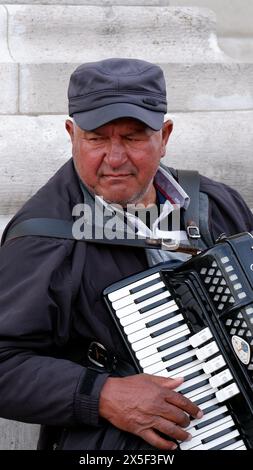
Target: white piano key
<point>221,378</point>
<point>141,323</point>
<point>160,355</point>
<point>206,351</point>
<point>221,440</point>
<point>148,341</point>
<point>191,382</point>
<point>129,299</point>
<point>133,317</point>
<point>205,394</point>
<point>194,394</point>
<point>227,392</point>
<point>201,337</point>
<point>124,291</point>
<point>208,404</point>
<point>152,350</point>
<point>186,371</point>
<point>163,365</point>
<point>210,427</point>
<point>214,364</point>
<point>238,445</point>
<point>206,417</point>
<point>180,371</point>
<point>197,440</point>
<point>137,307</point>
<point>138,335</point>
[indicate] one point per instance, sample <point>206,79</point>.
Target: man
<point>51,306</point>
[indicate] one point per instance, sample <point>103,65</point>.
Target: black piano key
<point>166,328</point>
<point>218,434</point>
<point>172,343</point>
<point>192,375</point>
<point>155,304</point>
<point>195,386</point>
<point>160,319</point>
<point>149,295</point>
<point>211,408</point>
<point>176,353</point>
<point>211,420</point>
<point>180,363</point>
<point>223,445</point>
<point>204,399</point>
<point>143,286</point>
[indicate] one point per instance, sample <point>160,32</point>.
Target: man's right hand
<point>144,404</point>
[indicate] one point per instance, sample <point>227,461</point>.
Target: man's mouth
<point>118,175</point>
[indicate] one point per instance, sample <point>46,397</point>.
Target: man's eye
<point>95,139</point>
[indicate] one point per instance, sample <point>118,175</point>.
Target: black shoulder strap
<point>190,182</point>
<point>196,215</point>
<point>58,228</point>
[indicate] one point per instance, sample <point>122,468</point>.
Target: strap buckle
<point>193,231</point>
<point>100,357</point>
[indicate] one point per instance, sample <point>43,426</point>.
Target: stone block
<point>43,88</point>
<point>90,2</point>
<point>234,25</point>
<point>234,17</point>
<point>218,144</point>
<point>190,87</point>
<point>209,87</point>
<point>18,436</point>
<point>42,33</point>
<point>4,48</point>
<point>32,149</point>
<point>239,48</point>
<point>9,88</point>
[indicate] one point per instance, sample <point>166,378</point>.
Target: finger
<point>182,402</point>
<point>176,415</point>
<point>167,382</point>
<point>157,441</point>
<point>172,430</point>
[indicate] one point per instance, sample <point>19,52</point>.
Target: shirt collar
<point>170,189</point>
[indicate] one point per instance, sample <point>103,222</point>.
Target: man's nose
<point>116,155</point>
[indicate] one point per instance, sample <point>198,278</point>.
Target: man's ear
<point>69,126</point>
<point>166,131</point>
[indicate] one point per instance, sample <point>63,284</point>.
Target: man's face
<point>119,160</point>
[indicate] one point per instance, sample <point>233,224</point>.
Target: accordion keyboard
<point>161,343</point>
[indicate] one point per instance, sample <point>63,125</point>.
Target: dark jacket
<point>50,300</point>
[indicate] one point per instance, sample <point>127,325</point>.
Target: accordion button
<point>224,260</point>
<point>207,351</point>
<point>227,392</point>
<point>221,378</point>
<point>200,338</point>
<point>214,364</point>
<point>242,295</point>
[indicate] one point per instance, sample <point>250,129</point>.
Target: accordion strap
<point>59,228</point>
<point>190,182</point>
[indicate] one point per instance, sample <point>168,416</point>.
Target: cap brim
<point>94,118</point>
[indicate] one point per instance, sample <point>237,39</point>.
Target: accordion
<point>196,322</point>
